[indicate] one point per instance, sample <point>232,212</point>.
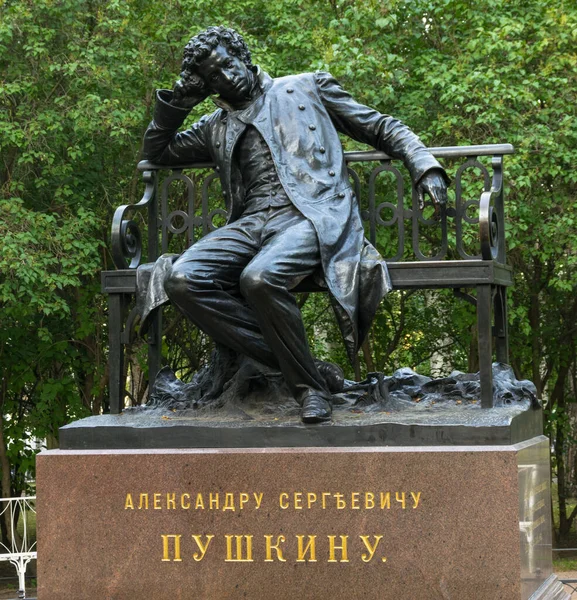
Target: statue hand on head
<point>434,185</point>
<point>189,90</point>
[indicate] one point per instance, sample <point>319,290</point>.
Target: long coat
<point>299,117</point>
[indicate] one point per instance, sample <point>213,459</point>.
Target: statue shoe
<point>332,374</point>
<point>316,408</point>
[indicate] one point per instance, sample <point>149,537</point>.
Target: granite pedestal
<point>452,521</point>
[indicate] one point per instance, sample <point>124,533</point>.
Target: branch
<point>572,516</point>
<point>399,330</point>
<point>437,349</point>
<point>303,299</point>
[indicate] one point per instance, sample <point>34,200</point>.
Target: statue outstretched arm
<point>385,133</point>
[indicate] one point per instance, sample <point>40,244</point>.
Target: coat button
<point>322,150</point>
<point>289,91</point>
<point>312,127</point>
<point>273,193</point>
<point>341,194</point>
<point>332,173</point>
<point>217,169</point>
<point>217,144</point>
<point>302,106</point>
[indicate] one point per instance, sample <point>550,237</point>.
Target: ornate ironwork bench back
<point>460,246</point>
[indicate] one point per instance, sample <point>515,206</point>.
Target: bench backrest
<point>183,202</point>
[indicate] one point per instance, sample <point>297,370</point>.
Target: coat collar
<point>264,82</point>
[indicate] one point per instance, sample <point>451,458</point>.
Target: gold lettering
<point>341,504</point>
<point>239,553</point>
<point>229,502</point>
<point>270,547</point>
<point>536,523</point>
<point>298,499</point>
<point>416,498</point>
<point>400,498</point>
<point>213,500</point>
<point>187,505</point>
<point>342,548</point>
<point>258,499</point>
<point>284,496</point>
<point>310,547</point>
<point>540,488</point>
<point>157,502</point>
<point>170,501</point>
<point>311,499</point>
<point>371,549</point>
<point>143,500</point>
<point>385,500</point>
<point>165,550</point>
<point>324,496</point>
<point>128,503</point>
<point>369,500</point>
<point>200,502</point>
<point>243,499</point>
<point>202,547</point>
<point>355,500</point>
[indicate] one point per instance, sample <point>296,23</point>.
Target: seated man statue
<point>292,212</point>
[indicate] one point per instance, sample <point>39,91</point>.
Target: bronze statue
<point>292,210</point>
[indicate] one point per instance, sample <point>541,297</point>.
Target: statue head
<point>201,45</point>
<point>221,58</point>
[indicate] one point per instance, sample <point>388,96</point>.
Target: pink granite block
<point>311,523</point>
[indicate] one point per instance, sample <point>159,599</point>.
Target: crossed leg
<point>235,283</point>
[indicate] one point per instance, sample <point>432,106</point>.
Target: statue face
<point>226,75</point>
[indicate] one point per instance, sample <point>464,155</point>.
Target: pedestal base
<point>187,429</point>
<point>452,522</point>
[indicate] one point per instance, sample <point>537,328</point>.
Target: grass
<point>30,517</point>
<point>564,564</point>
<point>564,561</point>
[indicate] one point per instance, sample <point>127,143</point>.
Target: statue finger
<point>443,196</point>
<point>421,197</point>
<point>440,191</point>
<point>436,194</point>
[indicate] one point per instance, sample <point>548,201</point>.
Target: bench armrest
<point>492,216</point>
<point>126,239</point>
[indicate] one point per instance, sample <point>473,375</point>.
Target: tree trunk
<point>5,480</point>
<point>536,350</point>
<point>368,355</point>
<point>473,354</point>
<point>558,398</point>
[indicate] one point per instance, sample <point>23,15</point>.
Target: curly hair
<point>200,46</point>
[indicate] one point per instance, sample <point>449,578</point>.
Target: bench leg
<point>484,326</point>
<point>116,353</point>
<point>501,325</point>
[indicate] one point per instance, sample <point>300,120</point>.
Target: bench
<point>415,264</point>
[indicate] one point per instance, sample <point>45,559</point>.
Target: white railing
<point>21,548</point>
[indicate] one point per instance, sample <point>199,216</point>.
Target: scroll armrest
<point>492,216</point>
<point>126,239</point>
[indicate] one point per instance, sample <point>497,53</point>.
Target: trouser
<point>235,282</point>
